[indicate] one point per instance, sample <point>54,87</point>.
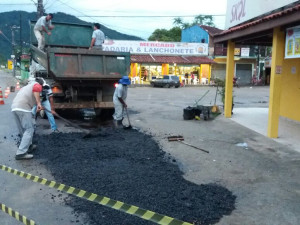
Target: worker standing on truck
<point>47,103</point>
<point>40,29</point>
<point>98,38</point>
<point>21,107</point>
<point>119,99</point>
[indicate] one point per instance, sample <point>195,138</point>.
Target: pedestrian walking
<point>21,107</point>
<point>98,38</point>
<point>119,100</point>
<point>47,103</point>
<point>192,78</point>
<point>41,27</point>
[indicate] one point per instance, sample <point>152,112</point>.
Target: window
<point>175,78</point>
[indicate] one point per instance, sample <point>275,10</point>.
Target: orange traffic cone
<point>18,86</point>
<point>6,92</point>
<point>1,97</point>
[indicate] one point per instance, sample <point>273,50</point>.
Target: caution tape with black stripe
<point>102,200</point>
<point>16,215</point>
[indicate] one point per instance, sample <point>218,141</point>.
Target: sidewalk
<point>257,119</point>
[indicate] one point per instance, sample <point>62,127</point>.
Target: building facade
<point>278,26</point>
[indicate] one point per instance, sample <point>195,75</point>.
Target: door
<point>218,71</point>
<point>244,74</point>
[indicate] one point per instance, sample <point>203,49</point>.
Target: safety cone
<point>1,97</point>
<point>18,86</point>
<point>6,92</point>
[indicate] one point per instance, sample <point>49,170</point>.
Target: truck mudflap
<point>83,105</point>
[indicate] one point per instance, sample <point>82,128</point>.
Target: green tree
<point>174,34</point>
<point>204,20</point>
<point>3,59</point>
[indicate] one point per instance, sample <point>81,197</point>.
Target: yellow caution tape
<point>16,215</point>
<point>108,202</point>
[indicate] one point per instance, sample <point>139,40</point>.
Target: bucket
<point>188,113</point>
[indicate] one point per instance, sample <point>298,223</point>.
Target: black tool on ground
<point>88,134</point>
<point>181,140</point>
<point>129,126</point>
<point>189,112</point>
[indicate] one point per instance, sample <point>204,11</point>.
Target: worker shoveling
<point>181,140</point>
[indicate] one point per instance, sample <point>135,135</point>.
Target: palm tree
<point>178,21</point>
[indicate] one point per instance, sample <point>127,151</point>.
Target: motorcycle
<point>235,83</point>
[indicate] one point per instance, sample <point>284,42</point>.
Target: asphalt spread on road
<point>129,166</point>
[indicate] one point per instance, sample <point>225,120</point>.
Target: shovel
<point>88,134</point>
<point>181,140</point>
<point>129,126</point>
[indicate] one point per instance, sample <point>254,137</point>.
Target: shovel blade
<point>127,127</point>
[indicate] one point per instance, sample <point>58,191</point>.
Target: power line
<point>5,37</point>
<point>9,4</point>
<point>54,2</point>
<point>81,12</point>
<point>152,16</point>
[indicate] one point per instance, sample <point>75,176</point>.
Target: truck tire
<point>98,112</point>
<point>107,113</point>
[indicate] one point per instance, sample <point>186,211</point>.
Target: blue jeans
<point>46,105</point>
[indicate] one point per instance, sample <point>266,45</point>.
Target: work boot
<point>118,124</point>
<point>23,156</point>
<point>32,148</point>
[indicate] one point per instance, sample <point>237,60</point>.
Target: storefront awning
<point>171,59</point>
<point>260,31</point>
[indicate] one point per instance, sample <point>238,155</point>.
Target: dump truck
<point>79,77</point>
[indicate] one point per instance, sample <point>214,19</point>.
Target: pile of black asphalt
<point>129,166</point>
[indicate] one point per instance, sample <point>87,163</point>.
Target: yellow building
<point>146,67</point>
<point>279,28</point>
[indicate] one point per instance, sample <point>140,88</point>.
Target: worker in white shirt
<point>119,100</point>
<point>98,38</point>
<point>41,27</point>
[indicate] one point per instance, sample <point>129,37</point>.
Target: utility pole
<point>21,40</point>
<point>40,9</point>
<point>13,47</point>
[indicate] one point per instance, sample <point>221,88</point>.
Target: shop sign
<point>239,11</point>
<point>245,52</point>
<point>278,69</point>
<point>268,62</point>
<point>292,42</point>
<point>156,48</point>
<point>237,51</point>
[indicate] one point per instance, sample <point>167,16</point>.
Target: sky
<point>136,17</point>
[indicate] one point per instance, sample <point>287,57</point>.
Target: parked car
<point>166,81</point>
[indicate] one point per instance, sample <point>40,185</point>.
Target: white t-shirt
<point>42,22</point>
<point>120,92</point>
<point>99,35</point>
